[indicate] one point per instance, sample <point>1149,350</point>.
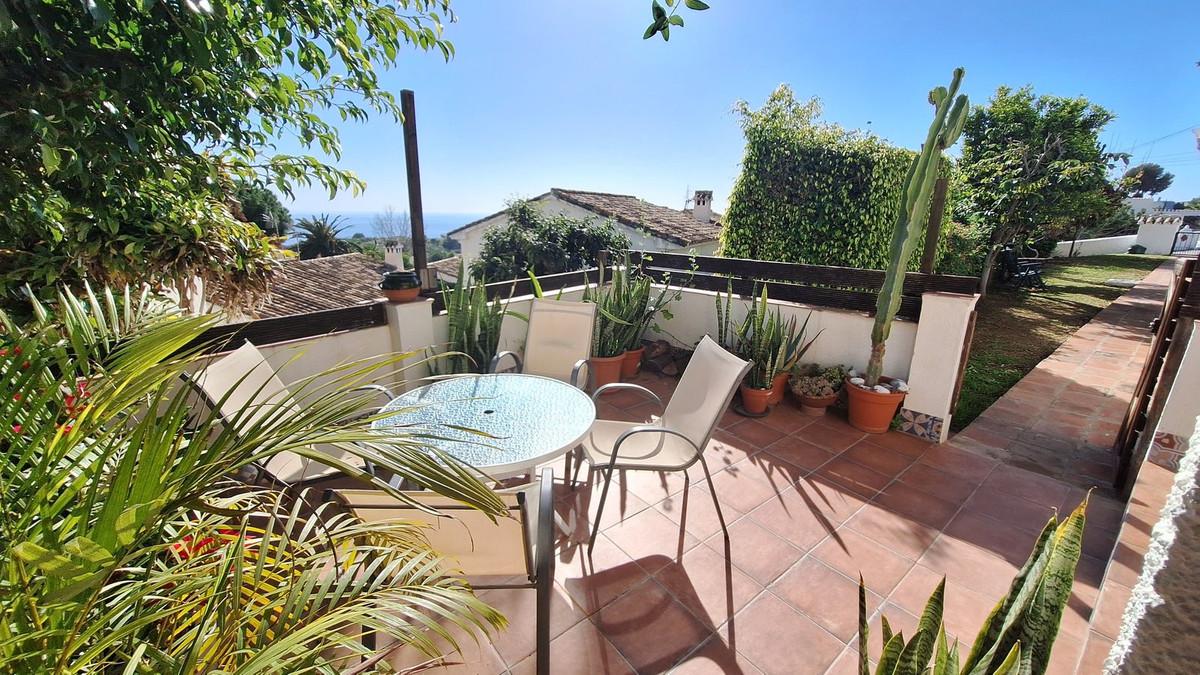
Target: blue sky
<point>567,94</point>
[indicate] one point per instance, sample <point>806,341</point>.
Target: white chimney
<point>393,254</point>
<point>702,206</point>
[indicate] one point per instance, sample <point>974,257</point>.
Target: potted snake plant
<point>874,399</point>
<point>611,335</point>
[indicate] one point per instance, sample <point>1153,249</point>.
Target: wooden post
<point>933,231</point>
<point>412,167</point>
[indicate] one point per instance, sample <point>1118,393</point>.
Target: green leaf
<point>49,562</point>
<point>696,5</point>
<point>676,20</point>
<point>50,158</point>
<point>650,31</point>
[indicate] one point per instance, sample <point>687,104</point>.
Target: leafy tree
<point>1032,165</point>
<point>440,248</point>
<point>125,124</point>
<point>662,20</point>
<point>1145,180</point>
<point>1193,203</point>
<point>1120,222</point>
<point>543,243</point>
<point>261,207</point>
<point>321,237</point>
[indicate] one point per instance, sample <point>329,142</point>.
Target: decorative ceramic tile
<point>922,426</point>
<point>1166,450</point>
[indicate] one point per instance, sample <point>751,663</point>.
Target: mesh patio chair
<point>558,342</point>
<point>242,383</point>
<point>478,546</point>
<point>676,440</point>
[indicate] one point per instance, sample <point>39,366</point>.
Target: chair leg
<point>600,508</point>
<point>544,586</point>
<point>713,490</point>
<point>578,465</point>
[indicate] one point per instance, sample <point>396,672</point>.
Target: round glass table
<point>529,420</point>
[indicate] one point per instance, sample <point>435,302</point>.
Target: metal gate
<point>1129,445</point>
<point>1186,242</point>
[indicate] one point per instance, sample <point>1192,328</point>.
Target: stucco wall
<point>1101,246</point>
<point>1157,237</point>
<point>1183,401</point>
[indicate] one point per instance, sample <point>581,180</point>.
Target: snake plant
<point>772,345</point>
<point>625,307</point>
<point>1017,636</point>
<point>948,120</point>
<point>474,330</point>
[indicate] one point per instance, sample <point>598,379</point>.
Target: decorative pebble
<point>857,380</point>
<point>882,389</point>
<point>902,387</point>
<point>852,372</point>
<point>899,383</point>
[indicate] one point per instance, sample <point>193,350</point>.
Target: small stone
<point>902,387</point>
<point>858,381</point>
<point>882,389</point>
<point>852,372</point>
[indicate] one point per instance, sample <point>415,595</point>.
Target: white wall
<point>1183,402</point>
<point>1100,246</point>
<point>845,335</point>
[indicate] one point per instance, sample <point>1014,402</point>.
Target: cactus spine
<point>949,117</point>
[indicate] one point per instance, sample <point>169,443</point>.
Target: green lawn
<point>1015,329</point>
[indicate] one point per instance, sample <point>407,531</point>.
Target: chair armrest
<point>498,357</point>
<point>378,388</point>
<point>579,366</point>
<point>544,563</point>
<point>627,385</point>
<point>646,429</point>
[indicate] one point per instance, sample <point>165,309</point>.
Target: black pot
<point>396,281</point>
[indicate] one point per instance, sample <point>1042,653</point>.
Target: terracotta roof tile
<point>324,283</point>
<point>673,225</point>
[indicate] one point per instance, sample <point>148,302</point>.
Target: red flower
<point>16,428</point>
<point>17,397</point>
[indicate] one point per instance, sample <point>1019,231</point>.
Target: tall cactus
<point>947,126</point>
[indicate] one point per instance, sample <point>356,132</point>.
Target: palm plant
<point>321,237</point>
<point>126,546</point>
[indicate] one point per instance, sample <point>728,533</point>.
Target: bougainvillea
<point>813,192</point>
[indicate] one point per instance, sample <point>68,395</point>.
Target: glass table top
<point>528,419</point>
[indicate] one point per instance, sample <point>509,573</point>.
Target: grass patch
<point>1016,329</point>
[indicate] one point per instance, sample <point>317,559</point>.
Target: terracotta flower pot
<point>816,405</point>
<point>401,294</point>
<point>755,401</point>
<point>778,387</point>
<point>605,369</point>
<point>632,362</point>
<point>871,411</point>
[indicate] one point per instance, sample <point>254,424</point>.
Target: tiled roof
<point>1169,219</point>
<point>317,284</point>
<point>673,225</point>
<point>446,266</point>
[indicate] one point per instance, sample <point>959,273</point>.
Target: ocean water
<point>436,224</point>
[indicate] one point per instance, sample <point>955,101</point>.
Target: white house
<point>649,226</point>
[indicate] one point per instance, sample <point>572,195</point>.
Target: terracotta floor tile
<point>746,485</point>
<point>477,656</point>
<point>1095,653</point>
<point>846,663</point>
<point>694,509</point>
<point>1015,511</point>
<point>933,481</point>
<point>915,504</point>
<point>878,458</point>
<point>769,625</point>
<point>519,639</point>
<point>853,476</point>
<point>831,433</point>
<point>960,463</point>
<point>853,554</point>
<point>756,433</point>
<point>799,452</point>
<point>1037,488</point>
<point>582,650</point>
<point>1111,609</point>
<point>725,450</point>
<point>835,502</point>
<point>906,443</point>
<point>593,582</point>
<point>650,629</point>
<point>711,588</point>
<point>651,539</point>
<point>583,504</point>
<point>902,534</point>
<point>788,418</point>
<point>716,657</point>
<point>756,551</point>
<point>969,566</point>
<point>1011,543</point>
<point>1064,655</point>
<point>653,486</point>
<point>798,517</point>
<point>826,596</point>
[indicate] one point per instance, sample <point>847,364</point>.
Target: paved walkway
<point>1062,418</point>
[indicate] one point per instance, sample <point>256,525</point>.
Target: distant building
<point>649,226</point>
<point>317,284</point>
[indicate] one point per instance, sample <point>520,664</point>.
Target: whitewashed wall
<point>1157,237</point>
<point>1099,246</point>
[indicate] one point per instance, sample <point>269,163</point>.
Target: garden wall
<point>1100,246</point>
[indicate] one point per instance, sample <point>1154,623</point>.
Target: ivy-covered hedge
<point>812,192</point>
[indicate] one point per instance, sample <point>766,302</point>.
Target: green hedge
<point>812,192</point>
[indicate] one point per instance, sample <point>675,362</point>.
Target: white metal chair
<point>479,546</point>
<point>676,440</point>
<point>558,342</point>
<point>244,383</point>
